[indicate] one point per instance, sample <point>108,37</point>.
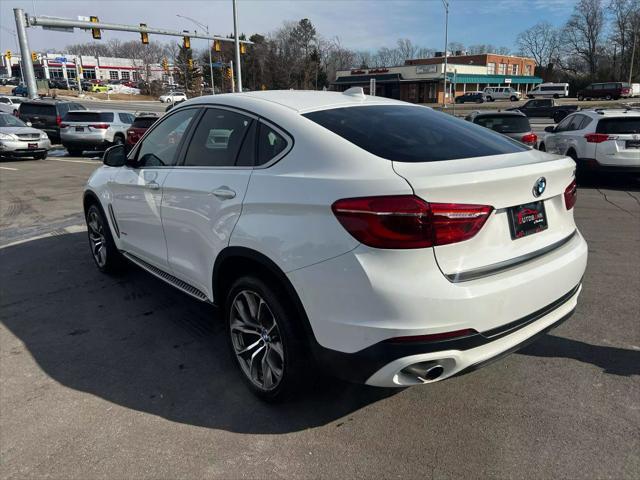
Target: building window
<point>514,69</point>
<point>527,69</point>
<point>89,73</point>
<point>71,73</point>
<point>124,75</point>
<point>55,72</point>
<point>491,68</point>
<point>135,76</point>
<point>113,74</point>
<point>502,69</point>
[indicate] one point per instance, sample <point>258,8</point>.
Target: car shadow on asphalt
<point>139,343</point>
<point>621,182</point>
<point>612,360</point>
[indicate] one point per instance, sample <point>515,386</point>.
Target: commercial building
<point>60,66</point>
<point>422,80</point>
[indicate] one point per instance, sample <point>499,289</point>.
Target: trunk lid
<point>501,181</point>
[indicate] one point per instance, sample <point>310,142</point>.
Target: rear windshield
<point>37,109</point>
<point>619,125</point>
<point>89,117</point>
<point>143,122</point>
<point>505,123</point>
<point>413,134</point>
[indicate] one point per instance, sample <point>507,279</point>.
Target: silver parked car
<point>513,124</point>
<point>94,130</point>
<point>502,93</point>
<point>10,104</point>
<point>19,139</point>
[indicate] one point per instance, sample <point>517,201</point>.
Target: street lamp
<point>206,27</point>
<point>446,53</point>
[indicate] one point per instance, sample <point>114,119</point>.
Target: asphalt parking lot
<point>125,377</point>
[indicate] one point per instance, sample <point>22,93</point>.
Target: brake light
<point>58,120</point>
<point>434,337</point>
<point>407,221</point>
<point>100,125</point>
<point>530,139</point>
<point>571,195</point>
<point>597,137</point>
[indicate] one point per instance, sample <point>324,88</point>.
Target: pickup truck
<point>546,108</point>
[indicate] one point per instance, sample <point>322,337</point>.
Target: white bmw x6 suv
<point>389,243</point>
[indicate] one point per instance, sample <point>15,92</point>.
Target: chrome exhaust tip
<point>424,371</point>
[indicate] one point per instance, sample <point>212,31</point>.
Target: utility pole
<point>237,41</point>
<point>633,53</point>
<point>446,52</point>
<point>25,53</point>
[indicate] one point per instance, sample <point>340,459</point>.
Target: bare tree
<point>540,42</point>
<point>406,49</point>
<point>583,33</point>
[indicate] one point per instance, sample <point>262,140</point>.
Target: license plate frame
<point>527,219</point>
<point>32,146</point>
<point>79,129</point>
<point>632,144</point>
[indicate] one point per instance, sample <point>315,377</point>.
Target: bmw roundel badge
<point>539,187</point>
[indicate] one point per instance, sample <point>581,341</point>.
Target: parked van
<point>549,90</point>
<point>608,91</point>
<point>501,93</point>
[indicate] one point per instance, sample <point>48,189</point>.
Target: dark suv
<point>46,114</point>
<point>608,91</point>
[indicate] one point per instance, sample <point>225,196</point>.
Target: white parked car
<point>598,140</point>
<point>94,130</point>
<point>18,139</point>
<point>10,104</point>
<point>172,97</point>
<point>389,243</point>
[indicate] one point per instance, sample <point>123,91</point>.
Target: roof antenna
<point>355,92</point>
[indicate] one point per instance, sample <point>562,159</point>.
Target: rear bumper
<point>624,166</point>
<point>86,145</point>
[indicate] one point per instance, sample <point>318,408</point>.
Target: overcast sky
<point>360,24</point>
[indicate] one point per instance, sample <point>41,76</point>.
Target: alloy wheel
<point>97,238</point>
<point>256,340</point>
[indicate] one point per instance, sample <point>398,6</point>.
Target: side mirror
<point>550,129</point>
<point>115,156</point>
<point>29,124</point>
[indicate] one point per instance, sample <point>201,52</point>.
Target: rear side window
<point>144,122</point>
<point>270,144</point>
<point>619,125</point>
<point>37,109</point>
<point>505,123</point>
<point>413,134</point>
<point>89,117</point>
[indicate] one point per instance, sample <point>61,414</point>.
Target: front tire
<point>42,156</point>
<point>104,252</point>
<point>580,98</point>
<point>608,97</point>
<point>265,339</point>
<point>514,98</point>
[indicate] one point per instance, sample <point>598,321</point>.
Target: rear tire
<point>266,339</point>
<point>104,252</point>
<point>580,98</point>
<point>542,148</point>
<point>42,156</point>
<point>608,97</point>
<point>555,95</point>
<point>514,98</point>
<point>489,99</point>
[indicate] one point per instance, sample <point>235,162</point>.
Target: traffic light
<point>8,54</point>
<point>165,65</point>
<point>216,46</point>
<point>243,48</point>
<point>95,32</point>
<point>190,63</point>
<point>144,36</point>
<point>34,56</point>
<point>186,42</point>
<point>227,72</point>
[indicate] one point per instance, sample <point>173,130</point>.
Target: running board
<point>167,277</point>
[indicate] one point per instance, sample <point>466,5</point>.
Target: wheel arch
<point>234,261</point>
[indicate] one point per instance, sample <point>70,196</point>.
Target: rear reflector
<point>571,195</point>
<point>407,221</point>
<point>530,139</point>
<point>598,137</point>
<point>434,337</point>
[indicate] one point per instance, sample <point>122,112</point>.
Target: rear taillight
<point>407,221</point>
<point>58,120</point>
<point>571,195</point>
<point>530,139</point>
<point>100,125</point>
<point>598,137</point>
<point>434,337</point>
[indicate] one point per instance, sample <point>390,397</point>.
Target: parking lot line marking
<point>93,162</point>
<point>65,230</point>
<point>9,168</point>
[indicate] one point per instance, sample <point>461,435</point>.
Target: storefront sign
<point>426,69</point>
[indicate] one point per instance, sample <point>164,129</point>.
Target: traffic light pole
<point>25,53</point>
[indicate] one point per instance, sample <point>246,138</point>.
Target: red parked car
<point>140,125</point>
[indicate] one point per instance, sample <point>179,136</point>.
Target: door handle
<point>152,185</point>
<point>224,193</point>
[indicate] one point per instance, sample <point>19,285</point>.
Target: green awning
<point>493,79</point>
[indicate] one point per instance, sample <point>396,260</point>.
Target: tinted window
<point>217,139</point>
<point>619,125</point>
<point>37,109</point>
<point>11,121</point>
<point>247,155</point>
<point>4,100</point>
<point>504,123</point>
<point>611,86</point>
<point>144,122</point>
<point>89,117</point>
<point>585,121</point>
<point>159,148</point>
<point>126,117</point>
<point>564,124</point>
<point>63,108</point>
<point>576,120</point>
<point>270,144</point>
<point>412,134</point>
